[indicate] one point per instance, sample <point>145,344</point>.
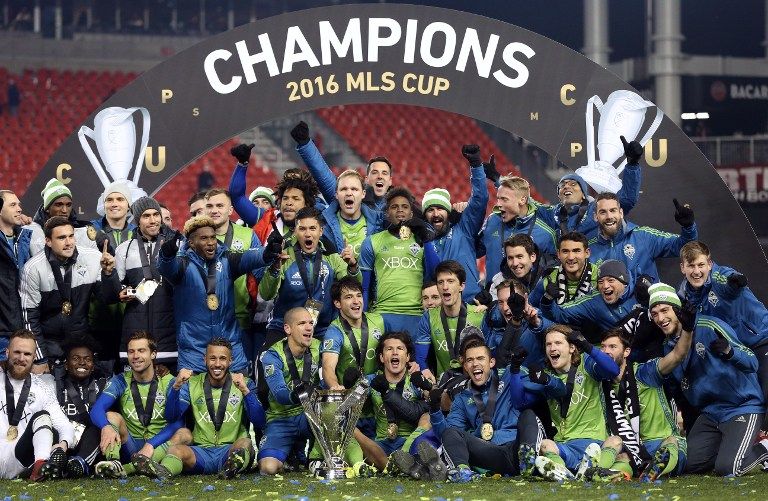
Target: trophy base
<point>601,176</point>
<point>337,473</point>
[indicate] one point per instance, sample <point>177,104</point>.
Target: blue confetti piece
<point>123,499</point>
<point>208,488</point>
<point>138,488</point>
<point>7,498</point>
<point>613,497</point>
<point>295,482</point>
<point>399,489</point>
<point>152,493</point>
<point>123,481</point>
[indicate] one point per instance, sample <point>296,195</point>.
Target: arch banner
<point>463,63</point>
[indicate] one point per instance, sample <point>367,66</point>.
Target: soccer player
<point>14,252</point>
<point>220,402</point>
<point>441,327</point>
<point>522,325</point>
<point>485,427</point>
<point>638,412</point>
<point>456,241</point>
<point>138,430</point>
<point>516,215</point>
<point>77,388</point>
<point>402,419</point>
<point>303,276</point>
<point>571,384</point>
<point>113,207</point>
<point>718,377</point>
<point>290,368</point>
<point>430,297</point>
<point>31,416</point>
<point>576,276</point>
<point>637,247</point>
<point>397,261</point>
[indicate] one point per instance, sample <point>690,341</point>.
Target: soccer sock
<point>113,452</point>
<point>674,452</point>
<point>247,457</point>
<point>174,464</point>
<point>622,465</point>
<point>42,438</point>
<point>607,457</point>
<point>129,468</point>
<point>555,458</point>
<point>160,452</point>
<point>353,454</point>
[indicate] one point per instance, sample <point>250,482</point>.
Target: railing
<point>734,150</point>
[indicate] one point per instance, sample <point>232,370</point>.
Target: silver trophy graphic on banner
<point>115,136</point>
<point>622,114</point>
<point>332,415</point>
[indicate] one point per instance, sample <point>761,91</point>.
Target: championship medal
<point>66,308</point>
<point>392,430</point>
<point>313,307</point>
<point>486,431</point>
<point>213,302</point>
<point>405,233</point>
<point>13,432</point>
<point>91,232</point>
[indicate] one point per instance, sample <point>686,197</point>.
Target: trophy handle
<point>81,135</point>
<point>314,424</point>
<point>144,142</point>
<point>591,127</point>
<point>647,137</point>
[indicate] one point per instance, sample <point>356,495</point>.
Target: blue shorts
<point>390,446</point>
<point>573,450</point>
<point>653,445</point>
<point>281,434</point>
<point>367,425</point>
<point>401,322</point>
<point>131,447</point>
<point>209,460</point>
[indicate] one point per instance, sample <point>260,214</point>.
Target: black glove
<point>300,133</point>
<point>484,298</point>
<point>683,214</point>
<point>242,152</point>
<point>633,151</point>
<point>454,217</point>
<point>641,289</point>
<point>737,281</point>
<point>351,375</point>
<point>380,384</point>
<point>516,303</point>
<point>551,292</point>
<point>420,382</point>
<point>490,169</point>
<point>516,357</point>
<point>274,247</point>
<point>577,339</point>
<point>687,316</point>
<point>420,230</point>
<point>171,246</point>
<point>298,389</point>
<point>536,374</point>
<point>722,348</point>
<point>454,384</point>
<point>435,394</point>
<point>472,153</point>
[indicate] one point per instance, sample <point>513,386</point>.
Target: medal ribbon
<point>144,413</point>
<point>63,283</point>
<point>217,415</point>
<point>306,374</point>
<point>73,395</point>
<point>149,259</point>
<point>316,265</point>
<point>359,353</point>
<point>460,324</point>
<point>486,411</point>
<point>14,412</point>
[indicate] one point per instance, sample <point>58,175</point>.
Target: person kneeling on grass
<point>485,427</point>
<point>138,431</point>
<point>402,421</point>
<point>571,385</point>
<point>218,399</point>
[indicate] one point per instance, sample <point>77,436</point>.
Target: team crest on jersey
<point>233,399</point>
<point>31,398</point>
<point>376,334</point>
<point>408,393</point>
<point>700,350</point>
<point>160,398</point>
<point>269,370</point>
<point>324,271</point>
<point>414,248</point>
<point>579,378</point>
<point>712,298</point>
<point>219,266</point>
<point>629,251</point>
<point>81,269</point>
<point>199,401</point>
<point>501,386</point>
<point>327,344</point>
<point>237,245</point>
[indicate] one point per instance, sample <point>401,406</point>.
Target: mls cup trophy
<point>622,114</point>
<point>115,136</point>
<point>332,415</point>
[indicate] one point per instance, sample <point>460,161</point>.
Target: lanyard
<point>306,374</point>
<point>316,265</point>
<point>228,236</point>
<point>74,396</point>
<point>149,257</point>
<point>217,415</point>
<point>14,412</point>
<point>144,413</point>
<point>359,353</point>
<point>486,411</point>
<point>389,411</point>
<point>63,283</point>
<point>565,401</point>
<point>460,324</point>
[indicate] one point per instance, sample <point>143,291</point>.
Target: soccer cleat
<point>553,471</point>
<point>36,471</point>
<point>56,466</point>
<point>462,475</point>
<point>408,465</point>
<point>361,469</point>
<point>605,474</point>
<point>234,464</point>
<point>77,467</point>
<point>659,462</point>
<point>110,469</point>
<point>429,457</point>
<point>589,460</point>
<point>526,455</point>
<point>149,467</point>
